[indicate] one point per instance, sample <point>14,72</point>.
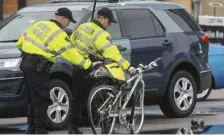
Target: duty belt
<point>34,57</point>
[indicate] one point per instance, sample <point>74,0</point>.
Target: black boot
<point>41,131</point>
<point>31,129</point>
<point>74,131</point>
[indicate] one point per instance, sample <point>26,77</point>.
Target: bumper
<point>12,94</point>
<point>11,84</point>
<point>205,80</point>
<point>13,109</point>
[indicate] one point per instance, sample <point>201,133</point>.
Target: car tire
<point>168,103</point>
<point>204,94</point>
<point>57,86</point>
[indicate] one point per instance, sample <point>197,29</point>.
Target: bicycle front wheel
<point>137,111</point>
<point>100,108</point>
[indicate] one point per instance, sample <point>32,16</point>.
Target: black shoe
<point>74,131</point>
<point>30,130</point>
<point>42,131</point>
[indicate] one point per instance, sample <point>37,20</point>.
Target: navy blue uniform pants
<point>37,85</point>
<point>81,87</point>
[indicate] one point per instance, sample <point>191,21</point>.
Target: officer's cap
<point>106,12</point>
<point>66,13</point>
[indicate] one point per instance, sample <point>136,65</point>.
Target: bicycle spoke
<point>100,109</point>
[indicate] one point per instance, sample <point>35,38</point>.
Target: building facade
<point>203,7</point>
<point>11,6</point>
<point>208,10</point>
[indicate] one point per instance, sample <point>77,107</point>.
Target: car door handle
<point>167,43</point>
<point>121,48</point>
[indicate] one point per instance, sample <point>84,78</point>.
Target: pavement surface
<point>211,111</point>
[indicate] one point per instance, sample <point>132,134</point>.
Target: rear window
<point>183,19</point>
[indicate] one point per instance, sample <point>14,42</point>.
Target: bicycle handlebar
<point>150,66</point>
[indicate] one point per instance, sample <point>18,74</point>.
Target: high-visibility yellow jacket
<point>90,38</point>
<point>47,39</point>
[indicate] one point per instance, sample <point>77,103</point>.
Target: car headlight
<point>10,63</point>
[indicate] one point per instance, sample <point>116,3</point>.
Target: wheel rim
<point>202,94</point>
<point>183,94</point>
<point>140,109</point>
<point>58,111</point>
<point>91,111</point>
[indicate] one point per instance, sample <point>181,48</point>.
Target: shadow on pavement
<point>9,130</point>
<point>213,100</point>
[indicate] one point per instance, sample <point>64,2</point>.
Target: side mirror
<point>68,31</point>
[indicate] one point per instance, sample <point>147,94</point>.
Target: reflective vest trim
<point>55,34</point>
<point>63,49</point>
<point>89,51</point>
<point>39,45</point>
<point>121,61</point>
<point>95,37</point>
<point>82,63</point>
<point>105,47</point>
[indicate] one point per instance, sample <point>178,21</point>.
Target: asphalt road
<point>211,111</point>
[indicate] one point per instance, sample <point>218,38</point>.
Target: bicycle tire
<point>89,107</point>
<point>138,92</point>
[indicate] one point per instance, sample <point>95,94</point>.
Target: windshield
<point>12,27</point>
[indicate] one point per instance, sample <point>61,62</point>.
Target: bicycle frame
<point>137,79</point>
<point>115,105</point>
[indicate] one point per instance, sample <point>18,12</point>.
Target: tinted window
<point>183,19</point>
<point>138,22</point>
<point>9,29</point>
<point>114,29</point>
<point>158,26</point>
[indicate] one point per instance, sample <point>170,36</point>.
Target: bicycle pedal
<point>129,128</point>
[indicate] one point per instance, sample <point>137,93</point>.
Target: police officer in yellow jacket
<point>40,44</point>
<point>93,42</point>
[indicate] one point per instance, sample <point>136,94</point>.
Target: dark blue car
<point>145,31</point>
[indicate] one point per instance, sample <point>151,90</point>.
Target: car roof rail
<point>66,1</point>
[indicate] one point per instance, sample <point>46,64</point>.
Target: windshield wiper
<point>14,40</point>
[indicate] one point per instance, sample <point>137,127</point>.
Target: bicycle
<point>114,105</point>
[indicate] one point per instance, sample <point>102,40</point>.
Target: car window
<point>183,19</point>
<point>12,27</point>
<point>114,29</point>
<point>158,26</point>
<point>138,22</point>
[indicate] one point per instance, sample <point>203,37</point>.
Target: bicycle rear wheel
<point>137,110</point>
<point>98,109</point>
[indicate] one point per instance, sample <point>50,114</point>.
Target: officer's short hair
<point>98,16</point>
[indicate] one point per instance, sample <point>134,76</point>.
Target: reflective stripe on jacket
<point>47,39</point>
<point>90,38</point>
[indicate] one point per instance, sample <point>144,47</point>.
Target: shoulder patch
<point>109,39</point>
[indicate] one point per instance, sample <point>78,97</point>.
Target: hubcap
<point>202,94</point>
<point>183,94</point>
<point>58,111</point>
